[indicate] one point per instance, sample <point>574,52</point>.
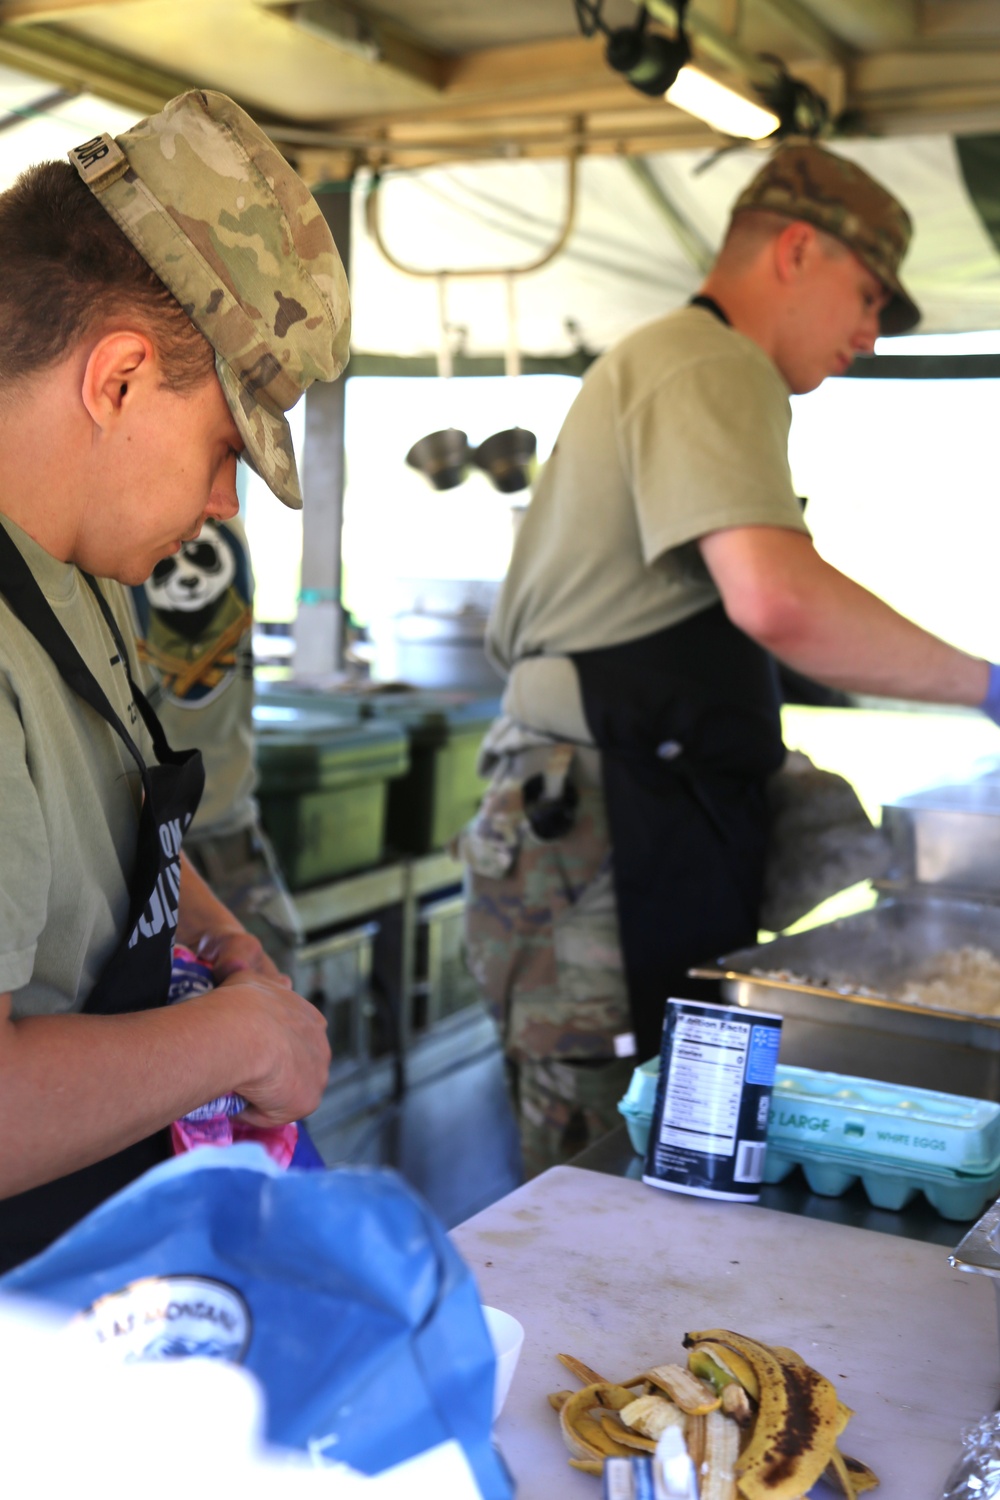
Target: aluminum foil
<point>976,1476</point>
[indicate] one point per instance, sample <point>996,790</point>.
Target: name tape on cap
<point>99,162</point>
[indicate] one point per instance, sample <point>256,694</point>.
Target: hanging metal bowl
<point>508,458</point>
<point>442,457</point>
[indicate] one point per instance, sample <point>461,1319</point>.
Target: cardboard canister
<point>709,1130</point>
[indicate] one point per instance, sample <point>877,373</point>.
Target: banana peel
<point>587,1376</point>
<point>844,1412</point>
<point>694,1440</point>
<point>584,1374</point>
<point>583,1436</point>
<point>849,1475</point>
<point>795,1433</point>
<point>719,1366</point>
<point>651,1415</point>
<point>687,1392</point>
<point>588,1465</point>
<point>615,1428</point>
<point>717,1472</point>
<point>836,1474</point>
<point>591,1431</point>
<point>862,1477</point>
<point>760,1423</point>
<point>735,1403</point>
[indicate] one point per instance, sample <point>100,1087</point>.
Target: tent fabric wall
<point>622,265</point>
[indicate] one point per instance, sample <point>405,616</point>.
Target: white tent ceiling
<point>622,264</point>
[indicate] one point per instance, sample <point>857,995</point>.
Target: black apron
<point>137,975</point>
<point>688,723</point>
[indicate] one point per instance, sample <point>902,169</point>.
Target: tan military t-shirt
<point>680,430</point>
<point>70,795</point>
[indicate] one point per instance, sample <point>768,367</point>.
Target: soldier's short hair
<point>66,268</point>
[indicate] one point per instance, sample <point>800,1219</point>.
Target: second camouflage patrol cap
<point>806,182</point>
<point>233,232</point>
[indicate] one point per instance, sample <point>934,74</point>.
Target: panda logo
<point>195,616</point>
<point>192,582</point>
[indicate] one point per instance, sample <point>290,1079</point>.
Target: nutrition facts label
<point>704,1084</point>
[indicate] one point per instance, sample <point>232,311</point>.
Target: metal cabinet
<point>417,1081</point>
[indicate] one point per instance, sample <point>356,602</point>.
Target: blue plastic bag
<point>338,1290</point>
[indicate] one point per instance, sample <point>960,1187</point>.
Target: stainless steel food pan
<point>832,1022</point>
<point>948,836</point>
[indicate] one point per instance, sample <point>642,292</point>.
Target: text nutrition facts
<point>705,1084</point>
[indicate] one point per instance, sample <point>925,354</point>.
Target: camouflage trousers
<point>563,1107</point>
<point>541,939</point>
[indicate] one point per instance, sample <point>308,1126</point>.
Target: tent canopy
<point>642,229</point>
<point>624,263</point>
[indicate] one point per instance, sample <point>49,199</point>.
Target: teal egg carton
<point>897,1141</point>
<point>864,1118</point>
<point>954,1195</point>
<point>637,1105</point>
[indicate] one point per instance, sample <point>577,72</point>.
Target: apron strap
<point>18,583</point>
<point>163,751</point>
<point>710,305</point>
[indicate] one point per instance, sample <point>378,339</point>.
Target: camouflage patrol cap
<point>806,182</point>
<point>234,233</point>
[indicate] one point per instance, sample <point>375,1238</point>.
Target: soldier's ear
<point>793,250</point>
<point>118,368</point>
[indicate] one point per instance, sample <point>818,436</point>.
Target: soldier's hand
<point>282,1042</point>
<point>229,953</point>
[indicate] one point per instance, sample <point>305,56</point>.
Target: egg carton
<point>954,1195</point>
<point>867,1119</point>
<point>637,1106</point>
<point>897,1141</point>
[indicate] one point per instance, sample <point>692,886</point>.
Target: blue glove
<point>991,703</point>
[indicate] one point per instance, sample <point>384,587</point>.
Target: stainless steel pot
<point>948,836</point>
<point>508,458</point>
<point>442,457</point>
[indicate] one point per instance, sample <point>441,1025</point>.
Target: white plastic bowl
<point>508,1336</point>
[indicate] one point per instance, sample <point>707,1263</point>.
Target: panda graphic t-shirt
<point>195,619</point>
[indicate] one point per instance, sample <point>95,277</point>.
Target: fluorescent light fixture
<point>719,106</point>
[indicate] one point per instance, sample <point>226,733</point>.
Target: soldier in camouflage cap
<point>164,299</point>
<point>662,566</point>
<point>806,182</point>
<point>216,211</point>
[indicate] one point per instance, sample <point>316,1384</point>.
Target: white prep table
<point>615,1272</point>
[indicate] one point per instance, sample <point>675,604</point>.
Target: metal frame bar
<point>373,219</point>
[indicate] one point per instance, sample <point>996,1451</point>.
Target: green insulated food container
<point>323,789</point>
<point>441,789</point>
